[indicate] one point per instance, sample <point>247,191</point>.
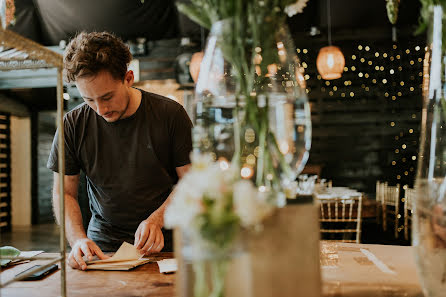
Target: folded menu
<point>168,265</point>
<point>125,258</point>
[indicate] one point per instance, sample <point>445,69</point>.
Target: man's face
<point>107,96</point>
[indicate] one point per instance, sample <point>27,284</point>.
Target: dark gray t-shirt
<point>129,164</point>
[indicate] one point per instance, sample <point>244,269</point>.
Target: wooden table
<point>346,271</point>
<point>144,280</point>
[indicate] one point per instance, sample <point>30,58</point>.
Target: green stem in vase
<point>218,271</point>
<point>282,162</point>
<point>200,285</point>
<point>262,128</point>
<point>261,158</point>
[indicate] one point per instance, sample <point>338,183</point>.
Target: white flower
<point>249,204</point>
<point>206,179</point>
<point>296,7</point>
<point>185,206</point>
<point>201,161</point>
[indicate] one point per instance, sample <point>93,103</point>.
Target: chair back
<point>409,197</point>
<point>341,217</point>
<point>390,207</point>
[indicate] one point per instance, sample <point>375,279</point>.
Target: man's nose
<point>101,108</point>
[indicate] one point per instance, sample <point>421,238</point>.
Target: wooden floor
<point>37,237</point>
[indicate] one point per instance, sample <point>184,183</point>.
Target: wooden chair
<point>409,199</point>
<point>341,216</point>
<point>390,206</point>
<point>380,188</point>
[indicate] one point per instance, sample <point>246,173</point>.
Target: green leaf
<point>195,14</point>
<point>8,251</point>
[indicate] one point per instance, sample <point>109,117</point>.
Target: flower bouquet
<point>211,205</point>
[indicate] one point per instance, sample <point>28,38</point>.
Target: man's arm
<point>73,217</point>
<point>80,244</point>
<point>148,236</point>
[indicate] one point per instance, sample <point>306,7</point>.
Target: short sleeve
<point>181,138</point>
<point>72,164</point>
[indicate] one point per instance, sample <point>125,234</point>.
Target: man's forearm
<point>73,218</point>
<point>159,213</point>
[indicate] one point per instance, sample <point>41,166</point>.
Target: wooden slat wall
<point>5,172</point>
<point>367,128</point>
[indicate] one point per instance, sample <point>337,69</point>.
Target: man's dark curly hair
<point>89,53</point>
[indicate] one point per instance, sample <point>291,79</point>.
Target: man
<point>132,145</point>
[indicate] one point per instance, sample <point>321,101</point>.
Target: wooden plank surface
<point>346,272</point>
<point>145,280</point>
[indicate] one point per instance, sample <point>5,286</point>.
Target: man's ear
<point>129,78</point>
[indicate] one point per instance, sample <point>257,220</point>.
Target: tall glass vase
<point>429,225</point>
<point>251,106</point>
<point>206,266</point>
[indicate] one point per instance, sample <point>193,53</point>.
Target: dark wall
<point>366,124</point>
<point>46,130</point>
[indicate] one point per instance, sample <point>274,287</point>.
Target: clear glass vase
<point>206,266</point>
<point>429,225</point>
<point>251,106</point>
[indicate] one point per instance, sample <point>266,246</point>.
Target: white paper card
<point>168,265</point>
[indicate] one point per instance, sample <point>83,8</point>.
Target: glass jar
<point>429,225</point>
<point>205,266</point>
<point>251,106</point>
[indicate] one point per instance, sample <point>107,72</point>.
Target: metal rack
<point>18,53</point>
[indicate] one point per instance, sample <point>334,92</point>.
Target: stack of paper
<point>168,265</point>
<point>125,258</point>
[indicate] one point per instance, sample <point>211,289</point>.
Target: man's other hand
<point>149,237</point>
<point>84,247</point>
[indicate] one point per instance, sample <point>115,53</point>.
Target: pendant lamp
<point>330,61</point>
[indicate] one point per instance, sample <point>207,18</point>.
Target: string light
<point>382,78</point>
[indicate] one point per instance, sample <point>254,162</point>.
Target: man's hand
<point>84,247</point>
<point>149,237</point>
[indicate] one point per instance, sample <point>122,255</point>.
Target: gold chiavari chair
<point>380,188</point>
<point>390,206</point>
<point>409,199</point>
<point>341,216</point>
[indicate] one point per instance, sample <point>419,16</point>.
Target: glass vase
<point>251,106</point>
<point>206,266</point>
<point>429,225</point>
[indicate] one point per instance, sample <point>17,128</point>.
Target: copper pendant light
<point>330,61</point>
